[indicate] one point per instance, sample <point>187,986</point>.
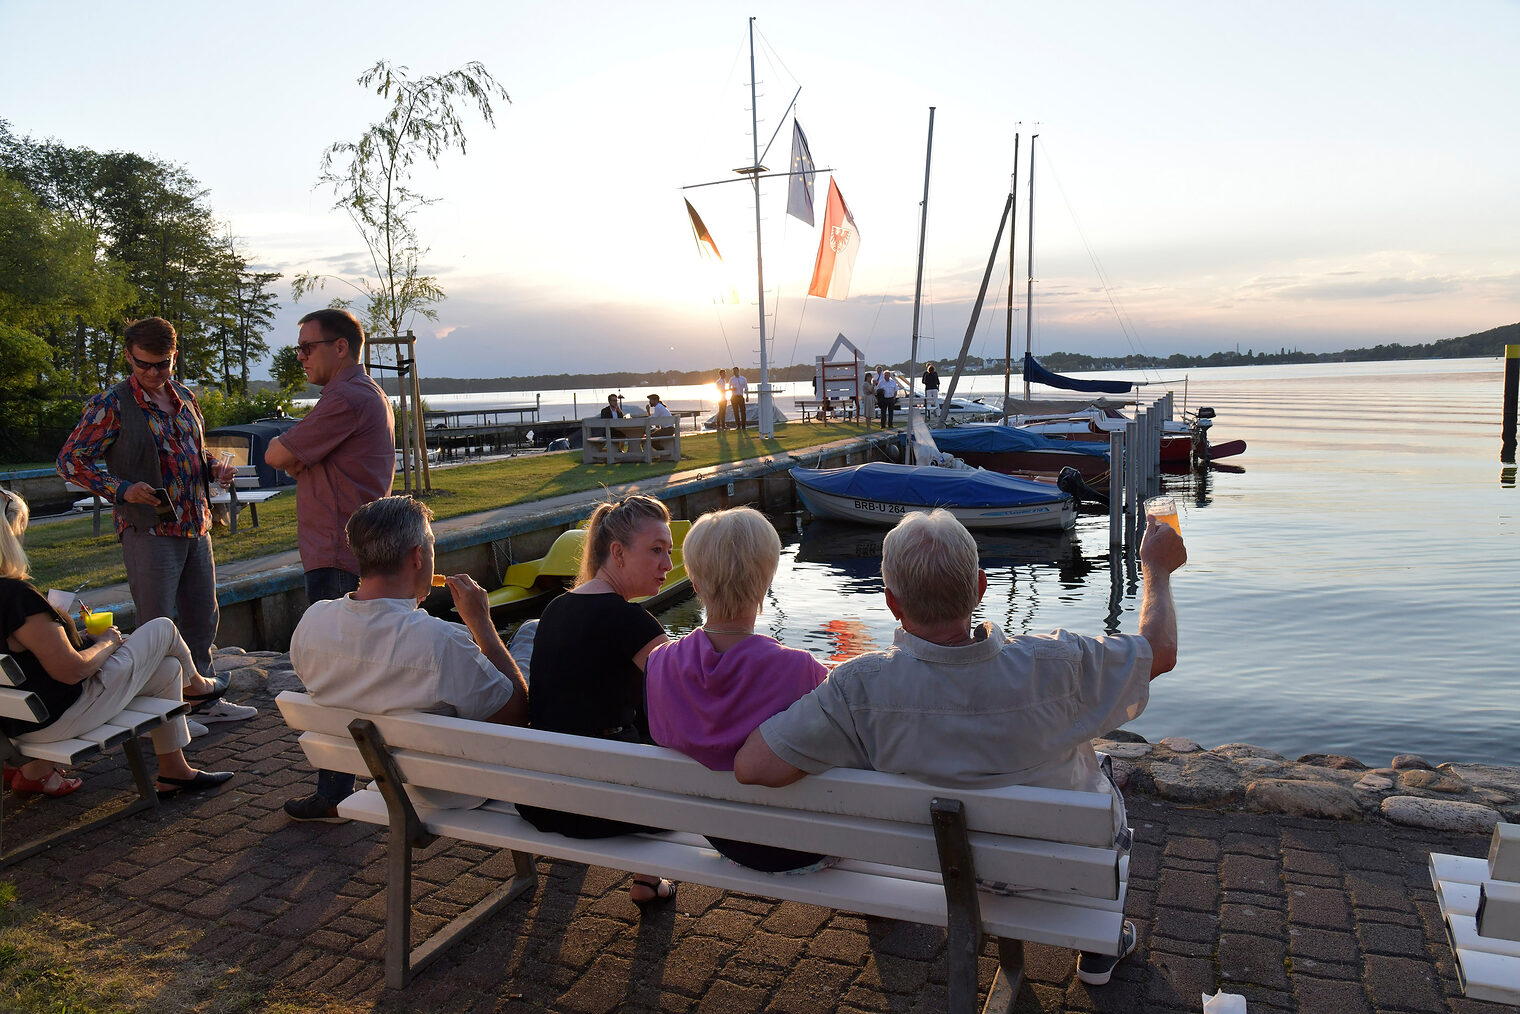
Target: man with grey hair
<point>962,706</point>
<point>375,652</point>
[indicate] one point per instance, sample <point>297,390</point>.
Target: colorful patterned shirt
<point>180,456</point>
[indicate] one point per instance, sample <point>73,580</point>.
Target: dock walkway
<point>1298,914</point>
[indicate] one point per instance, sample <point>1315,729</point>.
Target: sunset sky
<point>1313,175</point>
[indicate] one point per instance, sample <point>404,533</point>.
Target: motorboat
<point>531,584</point>
<point>880,493</point>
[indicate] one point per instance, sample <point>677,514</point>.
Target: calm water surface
<point>1352,591</point>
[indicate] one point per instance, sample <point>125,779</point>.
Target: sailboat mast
<point>1013,189</point>
<point>1029,297</point>
<point>765,425</point>
<point>918,285</point>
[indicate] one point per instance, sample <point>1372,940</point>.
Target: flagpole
<point>918,285</point>
<point>766,427</point>
<point>1029,295</point>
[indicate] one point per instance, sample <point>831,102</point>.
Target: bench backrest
<point>1050,839</point>
<point>15,702</point>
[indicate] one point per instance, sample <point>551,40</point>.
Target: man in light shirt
<point>374,651</point>
<point>961,706</point>
<point>738,386</point>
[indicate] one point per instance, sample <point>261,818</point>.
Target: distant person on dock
<point>886,398</point>
<point>589,654</point>
<point>739,387</point>
<point>931,388</point>
<point>342,455</point>
<point>709,690</point>
<point>722,386</point>
<point>954,705</point>
<point>375,652</point>
<point>613,409</point>
<point>143,436</point>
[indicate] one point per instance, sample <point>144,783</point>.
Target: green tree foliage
<point>91,239</point>
<point>372,181</point>
<point>287,371</point>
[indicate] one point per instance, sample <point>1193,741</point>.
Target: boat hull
<point>1057,511</point>
<point>1045,462</point>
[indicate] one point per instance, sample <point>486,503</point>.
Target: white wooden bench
<point>244,492</point>
<point>139,717</point>
<point>643,438</point>
<point>1480,904</point>
<point>910,851</point>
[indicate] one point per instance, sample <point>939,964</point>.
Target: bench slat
<point>22,704</point>
<point>67,752</point>
<point>160,706</point>
<point>106,736</point>
<point>1061,868</point>
<point>1061,925</point>
<point>1058,815</point>
<point>10,672</point>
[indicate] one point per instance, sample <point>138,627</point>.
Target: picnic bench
<point>139,717</point>
<point>644,438</point>
<point>908,851</point>
<point>244,492</point>
<point>822,410</point>
<point>1480,905</point>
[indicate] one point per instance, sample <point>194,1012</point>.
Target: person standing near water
<point>149,432</point>
<point>931,387</point>
<point>722,387</point>
<point>740,387</point>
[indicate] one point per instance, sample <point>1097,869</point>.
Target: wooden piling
<point>1511,389</point>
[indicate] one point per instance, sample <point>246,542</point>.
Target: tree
<point>286,369</point>
<point>371,178</point>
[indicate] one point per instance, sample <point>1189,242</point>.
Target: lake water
<point>1353,591</point>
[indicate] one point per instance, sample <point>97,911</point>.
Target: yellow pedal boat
<point>532,583</point>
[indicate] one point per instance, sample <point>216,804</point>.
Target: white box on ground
<point>1499,910</point>
<point>1504,853</point>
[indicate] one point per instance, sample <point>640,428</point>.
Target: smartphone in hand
<point>165,506</point>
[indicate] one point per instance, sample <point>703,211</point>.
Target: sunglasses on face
<point>157,367</point>
<point>304,349</point>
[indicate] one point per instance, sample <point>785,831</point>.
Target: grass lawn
<point>64,554</point>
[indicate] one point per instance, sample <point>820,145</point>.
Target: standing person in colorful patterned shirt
<point>150,433</point>
<point>343,454</point>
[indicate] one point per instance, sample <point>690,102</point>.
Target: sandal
<point>55,784</point>
<point>8,774</point>
<point>664,893</point>
<point>208,696</point>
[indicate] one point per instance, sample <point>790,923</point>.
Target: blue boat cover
<point>1001,439</point>
<point>926,486</point>
<point>1033,371</point>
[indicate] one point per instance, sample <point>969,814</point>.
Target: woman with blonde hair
<point>81,685</point>
<point>713,687</point>
<point>589,653</point>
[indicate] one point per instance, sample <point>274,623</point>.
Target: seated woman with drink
<point>589,653</point>
<point>713,687</point>
<point>86,685</point>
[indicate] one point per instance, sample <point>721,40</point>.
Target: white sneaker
<point>196,729</point>
<point>223,711</point>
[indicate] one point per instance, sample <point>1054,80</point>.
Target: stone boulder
<point>1302,798</point>
<point>1440,814</point>
<point>1334,761</point>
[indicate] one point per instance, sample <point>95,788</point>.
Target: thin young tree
<point>372,181</point>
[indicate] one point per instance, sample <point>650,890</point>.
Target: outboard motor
<point>1071,483</point>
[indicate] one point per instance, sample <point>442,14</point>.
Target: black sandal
<point>202,781</point>
<point>664,893</point>
<point>209,696</point>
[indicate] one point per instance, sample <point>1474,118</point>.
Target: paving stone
<point>1402,985</point>
<point>1245,873</point>
<point>1312,906</point>
<point>1398,941</point>
<point>1254,959</point>
<point>1181,889</point>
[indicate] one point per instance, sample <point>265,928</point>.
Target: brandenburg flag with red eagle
<point>836,249</point>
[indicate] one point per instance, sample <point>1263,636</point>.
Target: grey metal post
<point>1115,489</point>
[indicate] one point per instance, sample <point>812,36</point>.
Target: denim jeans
<point>175,577</point>
<point>331,583</point>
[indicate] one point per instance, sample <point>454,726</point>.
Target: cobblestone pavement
<point>1297,914</point>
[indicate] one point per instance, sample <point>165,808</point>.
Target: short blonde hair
<point>732,557</point>
<point>616,521</point>
<point>13,562</point>
<point>929,562</point>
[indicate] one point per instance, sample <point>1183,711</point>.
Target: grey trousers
<point>175,577</point>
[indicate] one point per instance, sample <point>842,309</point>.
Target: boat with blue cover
<point>880,493</point>
<point>1010,451</point>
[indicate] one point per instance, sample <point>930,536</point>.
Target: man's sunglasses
<point>158,367</point>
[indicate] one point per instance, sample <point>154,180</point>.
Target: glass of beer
<point>1164,510</point>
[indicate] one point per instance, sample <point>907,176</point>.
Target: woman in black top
<point>83,685</point>
<point>589,652</point>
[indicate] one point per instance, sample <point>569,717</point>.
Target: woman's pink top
<point>705,704</point>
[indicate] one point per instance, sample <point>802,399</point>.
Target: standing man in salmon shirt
<point>343,456</point>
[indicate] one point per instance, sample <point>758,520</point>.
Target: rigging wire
<point>1121,316</point>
